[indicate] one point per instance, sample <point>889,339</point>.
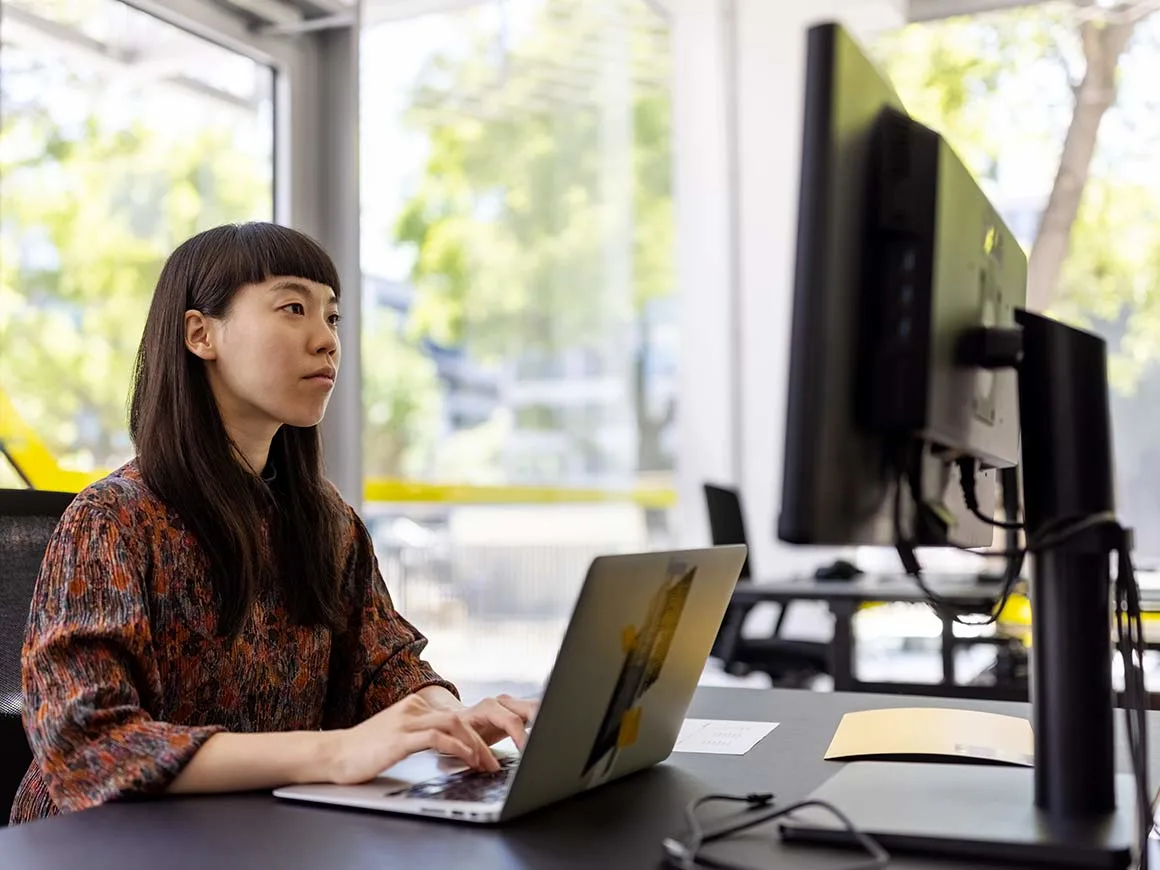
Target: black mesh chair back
<point>788,662</point>
<point>726,521</point>
<point>27,520</point>
<point>726,527</point>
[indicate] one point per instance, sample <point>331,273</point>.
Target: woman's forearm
<point>244,762</point>
<point>241,762</point>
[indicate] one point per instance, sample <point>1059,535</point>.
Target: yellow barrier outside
<point>35,463</point>
<point>387,490</point>
<point>31,458</point>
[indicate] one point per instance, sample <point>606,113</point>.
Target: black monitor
<point>899,254</point>
<point>915,374</point>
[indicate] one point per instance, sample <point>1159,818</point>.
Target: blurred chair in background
<point>27,520</point>
<point>792,663</point>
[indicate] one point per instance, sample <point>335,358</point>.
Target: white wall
<point>736,193</point>
<point>706,448</point>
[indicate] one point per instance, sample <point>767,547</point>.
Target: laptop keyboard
<point>466,785</point>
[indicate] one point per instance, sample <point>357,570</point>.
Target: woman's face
<point>272,359</point>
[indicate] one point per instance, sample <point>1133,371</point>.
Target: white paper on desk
<point>720,736</point>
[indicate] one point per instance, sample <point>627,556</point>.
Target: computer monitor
<point>899,253</point>
<point>915,374</point>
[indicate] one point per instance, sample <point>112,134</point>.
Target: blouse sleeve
<point>89,669</point>
<point>376,661</point>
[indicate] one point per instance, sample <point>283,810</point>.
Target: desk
<point>617,826</point>
<point>844,597</point>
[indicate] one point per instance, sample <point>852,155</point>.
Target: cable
<point>966,465</point>
<point>685,853</point>
<point>908,479</point>
<point>1130,641</point>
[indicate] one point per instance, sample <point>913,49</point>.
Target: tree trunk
<point>1104,39</point>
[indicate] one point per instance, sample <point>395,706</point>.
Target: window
<point>120,136</point>
<point>516,181</point>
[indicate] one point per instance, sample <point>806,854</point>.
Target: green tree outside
<point>95,209</point>
<point>515,222</point>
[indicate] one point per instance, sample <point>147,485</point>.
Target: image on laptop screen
<point>645,647</point>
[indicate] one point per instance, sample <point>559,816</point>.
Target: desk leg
<point>948,650</point>
<point>842,646</point>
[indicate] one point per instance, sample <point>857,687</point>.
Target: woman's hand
<point>361,753</point>
<point>493,719</point>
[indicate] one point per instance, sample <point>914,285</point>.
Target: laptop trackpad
<point>419,767</point>
<point>429,764</point>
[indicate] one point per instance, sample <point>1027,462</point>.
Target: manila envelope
<point>933,734</point>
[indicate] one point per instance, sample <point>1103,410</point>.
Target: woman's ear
<point>198,338</point>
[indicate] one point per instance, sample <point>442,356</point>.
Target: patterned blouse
<point>125,679</point>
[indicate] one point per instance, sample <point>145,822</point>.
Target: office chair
<point>27,520</point>
<point>792,663</point>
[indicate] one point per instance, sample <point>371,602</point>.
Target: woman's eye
<point>334,319</point>
<point>295,308</point>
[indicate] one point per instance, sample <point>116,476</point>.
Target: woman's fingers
<point>450,723</point>
<point>487,760</point>
<point>522,707</point>
<point>503,719</point>
<point>440,741</point>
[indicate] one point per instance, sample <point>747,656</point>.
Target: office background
<point>566,233</point>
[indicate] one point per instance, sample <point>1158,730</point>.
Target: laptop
<point>631,658</point>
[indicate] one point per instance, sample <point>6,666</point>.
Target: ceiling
<point>289,12</point>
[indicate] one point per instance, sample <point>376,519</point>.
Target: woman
<point>210,617</point>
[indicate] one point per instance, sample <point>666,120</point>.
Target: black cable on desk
<point>686,852</point>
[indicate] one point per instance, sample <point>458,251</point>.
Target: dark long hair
<point>186,457</point>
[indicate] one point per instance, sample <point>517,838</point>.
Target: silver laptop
<point>626,671</point>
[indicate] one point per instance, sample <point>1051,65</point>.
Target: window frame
<point>215,24</point>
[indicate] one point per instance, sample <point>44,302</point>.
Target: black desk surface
<point>963,590</point>
<point>617,826</point>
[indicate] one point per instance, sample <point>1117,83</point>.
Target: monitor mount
<point>1072,809</point>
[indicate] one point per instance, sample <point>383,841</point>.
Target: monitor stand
<point>1071,810</point>
<point>960,811</point>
